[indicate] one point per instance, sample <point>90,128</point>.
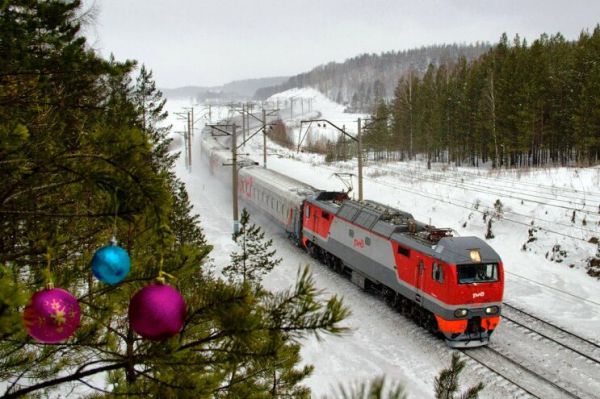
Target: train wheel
<point>431,323</point>
<point>405,307</point>
<point>312,249</point>
<point>390,297</point>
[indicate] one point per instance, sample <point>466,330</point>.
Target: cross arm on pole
<point>252,135</point>
<point>249,114</point>
<point>218,128</point>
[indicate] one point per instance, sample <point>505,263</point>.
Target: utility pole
<point>244,122</point>
<point>264,129</point>
<point>189,140</point>
<point>360,162</point>
<point>358,140</point>
<point>234,180</point>
<point>192,122</point>
<point>410,115</point>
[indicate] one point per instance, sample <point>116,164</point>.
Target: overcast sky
<point>207,43</point>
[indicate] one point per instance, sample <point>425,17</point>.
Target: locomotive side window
<point>436,272</point>
<point>351,233</point>
<point>307,211</point>
<point>404,251</point>
<point>367,241</point>
<point>477,273</point>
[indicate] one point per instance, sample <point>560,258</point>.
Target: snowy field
<point>543,250</point>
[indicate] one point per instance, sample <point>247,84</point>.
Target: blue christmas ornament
<point>111,263</point>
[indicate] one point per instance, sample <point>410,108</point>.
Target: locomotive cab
<point>475,288</point>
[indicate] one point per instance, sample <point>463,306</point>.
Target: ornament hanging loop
<point>113,240</point>
<point>48,271</point>
<point>162,277</point>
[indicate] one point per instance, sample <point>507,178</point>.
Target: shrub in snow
<point>499,207</point>
<point>557,254</point>
<point>489,234</point>
<point>531,233</point>
<point>593,267</point>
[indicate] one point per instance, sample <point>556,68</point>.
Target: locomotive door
<point>420,278</point>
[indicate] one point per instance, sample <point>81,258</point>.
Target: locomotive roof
<point>400,226</point>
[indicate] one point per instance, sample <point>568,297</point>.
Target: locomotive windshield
<point>477,273</point>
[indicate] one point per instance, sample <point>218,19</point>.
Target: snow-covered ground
<point>535,218</point>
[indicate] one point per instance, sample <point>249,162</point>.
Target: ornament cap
<point>162,277</point>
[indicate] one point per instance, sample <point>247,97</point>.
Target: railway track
<point>529,381</point>
<point>585,347</point>
<point>541,358</point>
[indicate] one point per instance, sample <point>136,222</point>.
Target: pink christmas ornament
<point>52,315</point>
<point>157,311</point>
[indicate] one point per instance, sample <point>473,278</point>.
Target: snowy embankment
<point>533,230</point>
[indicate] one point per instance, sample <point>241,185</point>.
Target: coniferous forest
<point>83,158</point>
<point>517,105</point>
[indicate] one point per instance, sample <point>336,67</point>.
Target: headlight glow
<point>492,310</point>
<point>460,312</point>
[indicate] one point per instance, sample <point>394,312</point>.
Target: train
<point>453,286</point>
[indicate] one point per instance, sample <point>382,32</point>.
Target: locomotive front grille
<point>474,325</point>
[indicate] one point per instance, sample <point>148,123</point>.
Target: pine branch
<point>62,380</point>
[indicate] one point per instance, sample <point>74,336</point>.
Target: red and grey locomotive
<point>452,285</point>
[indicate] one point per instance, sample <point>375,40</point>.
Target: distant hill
<point>238,89</point>
<point>358,81</point>
<point>248,87</point>
<point>184,92</point>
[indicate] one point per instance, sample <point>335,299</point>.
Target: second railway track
<point>542,359</point>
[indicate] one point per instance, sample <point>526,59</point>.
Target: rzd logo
<point>359,243</point>
<point>478,294</point>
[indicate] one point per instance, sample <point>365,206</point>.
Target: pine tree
<point>79,165</point>
<point>255,257</point>
<point>446,384</point>
<point>151,109</point>
<point>375,389</point>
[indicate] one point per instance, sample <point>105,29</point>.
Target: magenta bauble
<point>52,315</point>
<point>157,311</point>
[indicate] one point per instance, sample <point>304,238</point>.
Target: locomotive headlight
<point>492,310</point>
<point>460,312</point>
